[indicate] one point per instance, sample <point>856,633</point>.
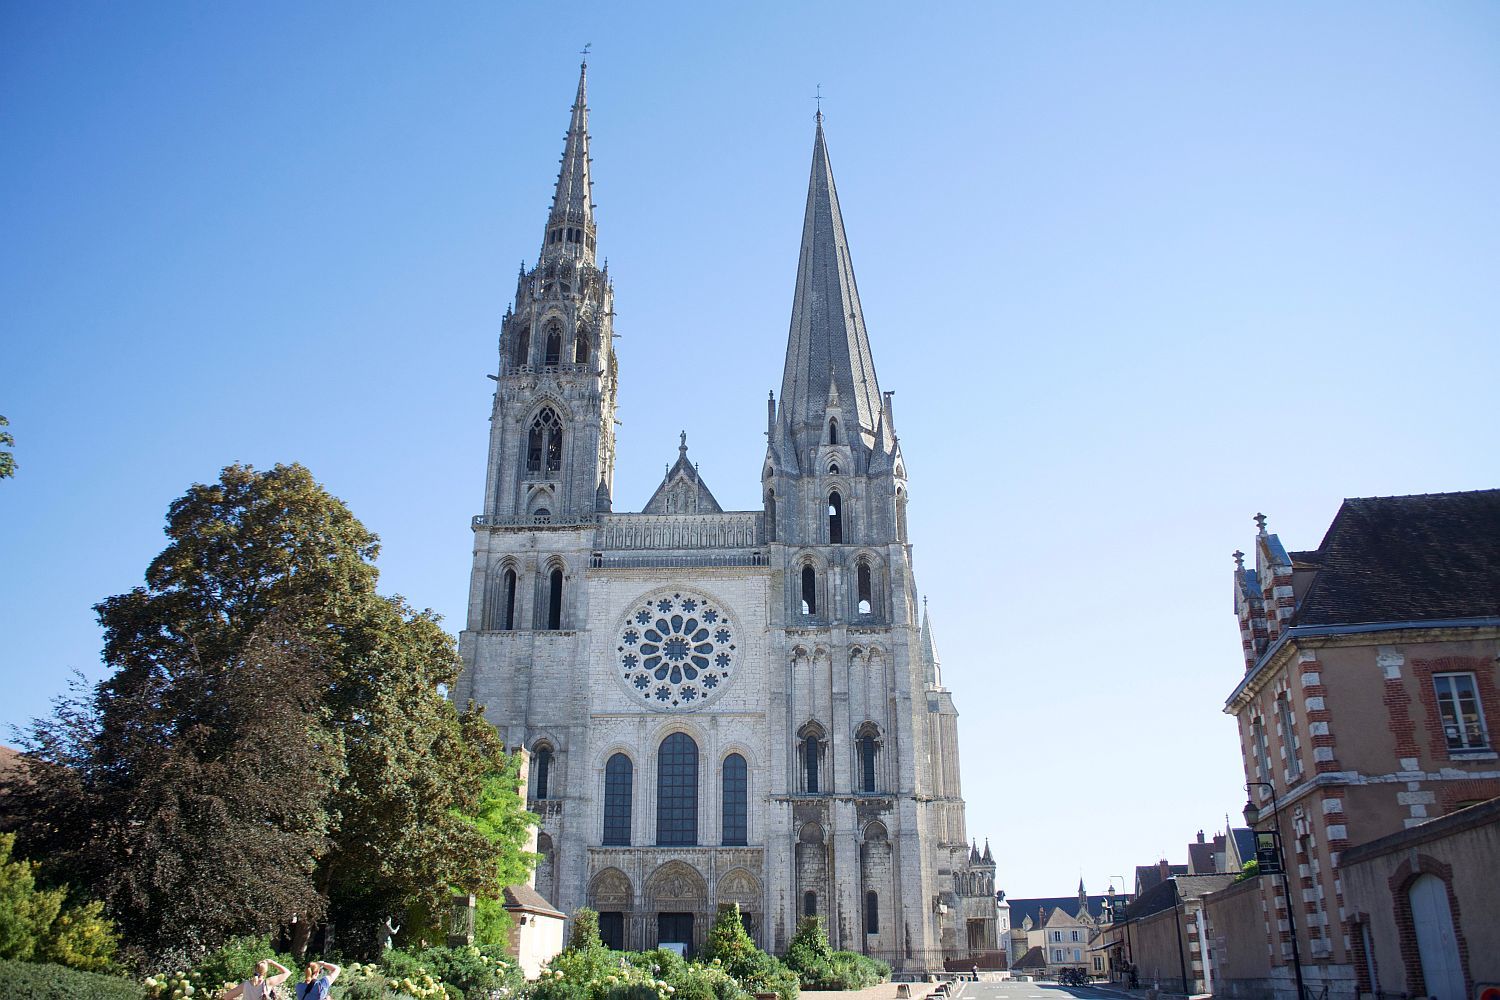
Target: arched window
<point>544,442</point>
<point>833,431</point>
<point>809,591</point>
<point>618,779</point>
<point>835,517</point>
<point>868,748</point>
<point>677,791</point>
<point>810,753</point>
<point>508,599</point>
<point>872,912</point>
<point>541,771</point>
<point>735,816</point>
<point>554,599</point>
<point>554,346</point>
<point>809,904</point>
<point>866,589</point>
<point>581,347</point>
<point>523,345</point>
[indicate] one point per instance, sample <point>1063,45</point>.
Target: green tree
<point>35,925</point>
<point>7,459</point>
<point>501,816</point>
<point>274,740</point>
<point>585,936</point>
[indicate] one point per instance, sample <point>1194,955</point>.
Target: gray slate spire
<point>827,343</point>
<point>932,665</point>
<point>570,224</point>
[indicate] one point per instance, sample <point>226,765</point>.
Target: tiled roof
<point>1412,558</point>
<point>524,897</point>
<point>1201,857</point>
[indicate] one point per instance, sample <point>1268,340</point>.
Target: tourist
<point>260,986</point>
<point>317,980</point>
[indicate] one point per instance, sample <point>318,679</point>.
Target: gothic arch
<point>810,833</point>
<point>611,890</point>
<point>502,589</point>
<point>676,886</point>
<point>546,868</point>
<point>741,888</point>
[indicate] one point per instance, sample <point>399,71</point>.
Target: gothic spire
<point>570,224</point>
<point>932,664</point>
<point>827,342</point>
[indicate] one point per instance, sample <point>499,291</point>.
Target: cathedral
<point>720,706</point>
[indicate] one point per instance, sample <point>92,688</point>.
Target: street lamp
<point>1271,852</point>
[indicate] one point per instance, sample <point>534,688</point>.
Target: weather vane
<point>585,52</point>
<point>819,98</point>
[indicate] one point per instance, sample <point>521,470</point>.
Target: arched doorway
<point>611,896</point>
<point>678,897</point>
<point>1437,945</point>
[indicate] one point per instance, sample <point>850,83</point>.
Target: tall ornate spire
<point>932,664</point>
<point>570,224</point>
<point>827,342</point>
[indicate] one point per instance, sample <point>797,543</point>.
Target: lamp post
<point>1252,816</point>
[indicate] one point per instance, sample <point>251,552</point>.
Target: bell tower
<point>552,441</point>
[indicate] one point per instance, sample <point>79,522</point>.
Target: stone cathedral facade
<point>720,706</point>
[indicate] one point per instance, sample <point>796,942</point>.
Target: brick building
<point>1370,685</point>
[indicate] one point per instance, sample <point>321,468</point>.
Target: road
<point>1010,990</point>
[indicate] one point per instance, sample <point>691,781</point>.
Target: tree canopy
<point>274,740</point>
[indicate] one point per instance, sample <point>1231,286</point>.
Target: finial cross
<point>586,47</point>
<point>819,98</point>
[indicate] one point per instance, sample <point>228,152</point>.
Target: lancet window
<point>618,780</point>
<point>544,442</point>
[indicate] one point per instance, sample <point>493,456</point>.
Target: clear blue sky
<point>1135,271</point>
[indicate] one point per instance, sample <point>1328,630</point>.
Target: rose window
<point>676,652</point>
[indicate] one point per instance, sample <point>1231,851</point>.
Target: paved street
<point>1009,990</point>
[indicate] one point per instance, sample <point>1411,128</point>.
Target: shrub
<point>469,970</point>
<point>585,930</point>
<point>29,981</point>
<point>819,967</point>
<point>34,925</point>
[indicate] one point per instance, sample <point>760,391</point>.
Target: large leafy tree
<point>274,740</point>
<point>7,459</point>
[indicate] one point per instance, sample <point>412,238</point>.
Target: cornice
<point>1299,637</point>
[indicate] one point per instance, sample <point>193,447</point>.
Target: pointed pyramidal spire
<point>570,224</point>
<point>932,665</point>
<point>827,342</point>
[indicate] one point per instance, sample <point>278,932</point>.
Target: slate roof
<point>1201,857</point>
<point>1148,877</point>
<point>524,897</point>
<point>1164,895</point>
<point>679,472</point>
<point>1020,909</point>
<point>1411,558</point>
<point>1033,959</point>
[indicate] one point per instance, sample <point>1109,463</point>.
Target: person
<point>259,985</point>
<point>317,981</point>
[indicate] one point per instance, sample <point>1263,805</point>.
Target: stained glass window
<point>618,780</point>
<point>735,783</point>
<point>677,791</point>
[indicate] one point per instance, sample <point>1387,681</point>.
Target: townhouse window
<point>1262,751</point>
<point>1463,717</point>
<point>1289,738</point>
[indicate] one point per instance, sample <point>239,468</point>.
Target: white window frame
<point>1289,738</point>
<point>1446,685</point>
